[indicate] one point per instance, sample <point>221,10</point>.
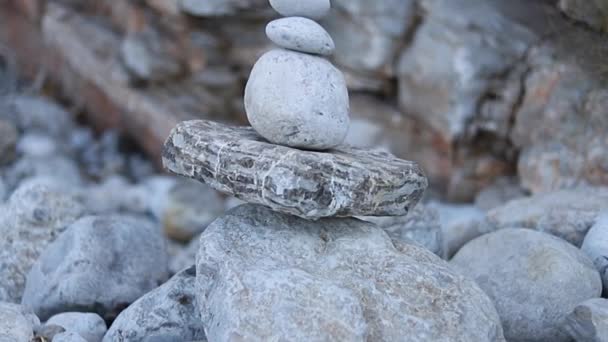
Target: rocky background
<point>504,104</point>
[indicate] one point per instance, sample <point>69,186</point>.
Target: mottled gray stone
<point>99,264</point>
<point>263,275</point>
<point>588,322</point>
<point>35,214</point>
<point>37,145</point>
<point>300,34</point>
<point>3,190</point>
<point>16,323</point>
<point>459,225</point>
<point>313,9</point>
<point>567,214</point>
<point>297,100</point>
<point>46,332</point>
<point>183,256</point>
<point>88,325</point>
<point>168,313</point>
<point>595,245</point>
<point>534,279</point>
<point>69,336</point>
<point>420,226</point>
<point>345,182</point>
<point>8,141</point>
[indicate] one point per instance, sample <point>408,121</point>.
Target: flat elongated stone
<point>343,182</point>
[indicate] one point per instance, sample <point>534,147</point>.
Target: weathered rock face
<point>168,313</point>
<point>99,264</point>
<point>34,216</point>
<point>420,226</point>
<point>263,275</point>
<point>16,323</point>
<point>369,36</point>
<point>589,321</point>
<point>345,182</point>
<point>212,8</point>
<point>534,279</point>
<point>567,214</point>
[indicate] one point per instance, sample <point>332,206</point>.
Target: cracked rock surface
<point>342,182</point>
<point>267,276</point>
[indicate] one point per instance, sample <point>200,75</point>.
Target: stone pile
<point>293,264</point>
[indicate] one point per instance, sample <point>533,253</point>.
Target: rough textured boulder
<point>534,279</point>
<point>566,213</point>
<point>33,217</point>
<point>168,313</point>
<point>263,275</point>
<point>99,264</point>
<point>342,182</point>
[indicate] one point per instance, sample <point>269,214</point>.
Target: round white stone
<point>297,100</point>
<point>300,34</point>
<point>313,9</point>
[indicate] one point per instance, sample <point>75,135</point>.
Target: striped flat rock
<point>342,182</point>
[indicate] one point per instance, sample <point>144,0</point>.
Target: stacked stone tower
<point>295,97</point>
<point>293,256</point>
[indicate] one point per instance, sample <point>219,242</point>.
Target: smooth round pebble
<point>595,245</point>
<point>313,9</point>
<point>534,279</point>
<point>297,100</point>
<point>88,325</point>
<point>300,34</point>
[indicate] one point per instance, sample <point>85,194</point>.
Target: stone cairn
<point>296,238</point>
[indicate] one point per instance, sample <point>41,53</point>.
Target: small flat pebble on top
<point>300,34</point>
<point>313,9</point>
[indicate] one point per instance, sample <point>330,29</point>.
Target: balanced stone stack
<point>294,96</point>
<point>292,264</point>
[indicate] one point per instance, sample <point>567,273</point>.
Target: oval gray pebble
<point>300,34</point>
<point>313,9</point>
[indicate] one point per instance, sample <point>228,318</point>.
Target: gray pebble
<point>297,100</point>
<point>16,323</point>
<point>588,322</point>
<point>459,225</point>
<point>99,264</point>
<point>300,34</point>
<point>35,214</point>
<point>313,9</point>
<point>595,246</point>
<point>168,313</point>
<point>534,279</point>
<point>88,325</point>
